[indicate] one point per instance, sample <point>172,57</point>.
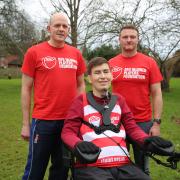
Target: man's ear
<point>119,40</point>
<point>89,79</point>
<point>48,28</point>
<point>69,29</point>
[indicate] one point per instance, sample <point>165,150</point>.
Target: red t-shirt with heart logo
<point>132,78</point>
<point>55,72</point>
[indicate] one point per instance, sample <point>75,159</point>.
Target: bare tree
<point>164,39</point>
<point>175,4</point>
<point>157,20</point>
<point>82,16</point>
<point>16,32</point>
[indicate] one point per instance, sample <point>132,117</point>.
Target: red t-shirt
<point>132,78</point>
<point>55,72</point>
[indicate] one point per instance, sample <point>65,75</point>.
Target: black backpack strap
<point>93,103</point>
<point>108,109</point>
<point>102,128</point>
<point>104,110</point>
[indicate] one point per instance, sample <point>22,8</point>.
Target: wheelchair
<point>173,158</point>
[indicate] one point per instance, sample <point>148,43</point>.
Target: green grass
<point>10,72</point>
<point>170,129</point>
<point>13,150</point>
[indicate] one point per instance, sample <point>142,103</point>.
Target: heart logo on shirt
<point>116,71</point>
<point>49,62</point>
<point>95,120</point>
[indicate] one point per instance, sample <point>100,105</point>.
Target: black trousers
<point>45,144</point>
<point>127,172</point>
<point>141,159</point>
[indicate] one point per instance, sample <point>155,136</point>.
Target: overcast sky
<point>39,14</point>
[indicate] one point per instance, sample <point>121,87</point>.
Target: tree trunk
<point>165,85</point>
<point>165,82</point>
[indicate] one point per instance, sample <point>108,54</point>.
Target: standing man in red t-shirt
<point>54,71</point>
<point>137,77</point>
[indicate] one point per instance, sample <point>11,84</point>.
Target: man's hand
<point>158,145</point>
<point>158,141</point>
<point>155,130</point>
<point>87,147</point>
<point>25,132</point>
<point>86,152</point>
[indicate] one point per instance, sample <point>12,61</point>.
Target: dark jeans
<point>127,172</point>
<point>45,143</point>
<point>141,160</point>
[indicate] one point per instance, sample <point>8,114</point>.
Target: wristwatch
<point>158,121</point>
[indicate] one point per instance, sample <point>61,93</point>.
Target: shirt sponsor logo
<point>129,73</point>
<point>115,120</point>
<point>116,71</point>
<point>63,63</point>
<point>67,63</point>
<point>95,120</point>
<point>49,62</point>
<point>134,73</point>
<point>113,159</point>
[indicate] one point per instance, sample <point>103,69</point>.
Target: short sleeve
<point>29,63</point>
<point>155,74</point>
<point>81,64</point>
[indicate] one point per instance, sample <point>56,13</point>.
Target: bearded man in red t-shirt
<point>137,77</point>
<point>54,71</point>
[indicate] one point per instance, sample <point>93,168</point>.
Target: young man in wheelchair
<point>96,127</point>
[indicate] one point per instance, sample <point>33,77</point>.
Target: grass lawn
<point>13,150</point>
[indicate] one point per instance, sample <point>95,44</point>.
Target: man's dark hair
<point>130,26</point>
<point>95,62</point>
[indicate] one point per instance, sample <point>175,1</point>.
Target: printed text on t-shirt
<point>66,63</point>
<point>134,73</point>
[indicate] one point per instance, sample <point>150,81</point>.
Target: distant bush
<point>10,73</point>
